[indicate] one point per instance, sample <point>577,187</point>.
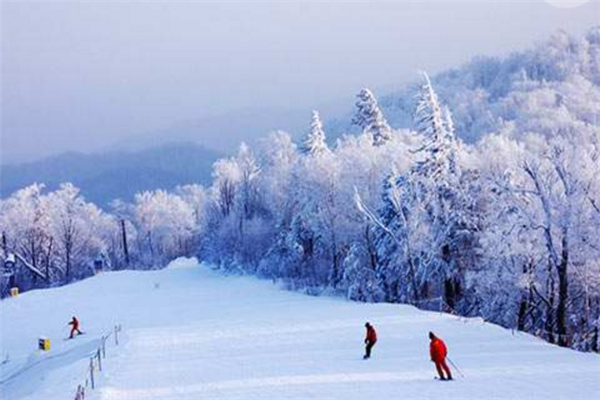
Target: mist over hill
<point>513,94</point>
<point>113,175</point>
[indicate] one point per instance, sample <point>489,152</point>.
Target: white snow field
<point>201,335</point>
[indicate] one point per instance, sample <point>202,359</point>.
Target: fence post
<point>99,355</point>
<point>92,372</point>
<point>80,393</point>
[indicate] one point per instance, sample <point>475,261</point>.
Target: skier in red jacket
<point>438,353</point>
<point>370,340</point>
<point>74,327</point>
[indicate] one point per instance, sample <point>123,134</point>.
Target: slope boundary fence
<point>95,366</point>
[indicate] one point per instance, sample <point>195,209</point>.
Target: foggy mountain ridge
<point>222,133</point>
<point>484,95</point>
<point>103,177</point>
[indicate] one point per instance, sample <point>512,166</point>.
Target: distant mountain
<point>106,176</point>
<point>223,133</point>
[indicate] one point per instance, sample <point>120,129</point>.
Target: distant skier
<point>438,353</point>
<point>370,340</point>
<point>74,327</point>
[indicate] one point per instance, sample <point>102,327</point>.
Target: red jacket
<point>437,350</point>
<point>371,335</point>
<point>75,323</point>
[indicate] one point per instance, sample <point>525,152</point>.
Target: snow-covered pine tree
<point>451,137</point>
<point>314,142</point>
<point>439,142</point>
<point>426,218</point>
<point>370,118</point>
<point>446,205</point>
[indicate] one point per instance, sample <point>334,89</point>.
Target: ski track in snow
<point>206,336</point>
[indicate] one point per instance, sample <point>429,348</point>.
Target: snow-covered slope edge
<point>190,333</point>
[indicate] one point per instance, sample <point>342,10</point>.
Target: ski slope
<point>191,333</point>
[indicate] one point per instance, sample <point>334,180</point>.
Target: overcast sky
<point>83,76</point>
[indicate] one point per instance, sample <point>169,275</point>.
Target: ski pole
<point>455,367</point>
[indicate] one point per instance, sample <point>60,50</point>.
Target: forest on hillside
<point>486,203</point>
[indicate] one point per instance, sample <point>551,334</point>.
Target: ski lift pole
<point>455,367</point>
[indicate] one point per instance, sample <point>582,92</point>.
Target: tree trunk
<point>68,261</point>
<point>563,293</point>
<point>4,243</point>
<point>548,324</point>
<point>595,340</point>
<point>48,256</point>
<point>526,299</point>
<point>449,294</point>
<point>125,246</point>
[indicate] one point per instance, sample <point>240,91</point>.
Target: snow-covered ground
<point>190,333</point>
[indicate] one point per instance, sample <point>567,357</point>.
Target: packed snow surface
<point>192,333</point>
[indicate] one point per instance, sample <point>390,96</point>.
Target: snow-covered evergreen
<point>370,118</point>
<point>314,142</point>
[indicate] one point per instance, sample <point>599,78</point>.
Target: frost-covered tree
<point>278,155</point>
<point>316,217</point>
<point>196,197</point>
<point>166,225</point>
<point>250,201</point>
<point>361,277</point>
<point>55,235</point>
<point>314,142</point>
<point>226,177</point>
<point>395,233</point>
<point>25,223</point>
<point>542,228</point>
<point>424,229</point>
<point>439,145</point>
<point>442,190</point>
<point>72,224</point>
<point>370,119</point>
<point>240,218</point>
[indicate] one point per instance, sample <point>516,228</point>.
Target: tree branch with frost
<point>589,197</point>
<point>532,170</point>
<point>371,216</point>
